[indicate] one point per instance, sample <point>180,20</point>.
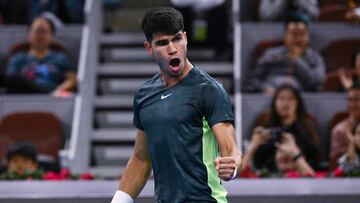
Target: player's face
<point>169,52</point>
<point>286,104</point>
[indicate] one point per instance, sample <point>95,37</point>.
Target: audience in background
<point>25,11</point>
<point>21,158</point>
<point>353,14</point>
<point>343,79</point>
<point>294,63</point>
<point>288,156</point>
<point>281,10</point>
<point>350,160</point>
<point>215,14</point>
<point>40,70</point>
<point>285,131</point>
<point>339,142</point>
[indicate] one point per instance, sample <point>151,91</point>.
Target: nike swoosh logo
<point>164,96</point>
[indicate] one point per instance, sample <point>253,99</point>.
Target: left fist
<point>226,167</point>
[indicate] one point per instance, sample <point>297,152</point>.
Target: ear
<point>148,47</point>
<point>185,37</point>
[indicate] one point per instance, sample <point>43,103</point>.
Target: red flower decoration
<point>292,174</point>
<point>51,176</point>
<point>248,173</point>
<point>86,176</point>
<point>321,174</point>
<point>338,172</point>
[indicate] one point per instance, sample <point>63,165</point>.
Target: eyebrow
<point>163,42</point>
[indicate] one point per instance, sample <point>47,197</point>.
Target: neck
<point>288,120</point>
<point>171,81</point>
<point>39,53</point>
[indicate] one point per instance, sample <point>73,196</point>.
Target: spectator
<point>216,16</point>
<point>343,79</point>
<point>287,119</point>
<point>353,14</point>
<point>281,10</point>
<point>40,70</point>
<point>347,79</point>
<point>288,156</point>
<point>294,63</point>
<point>339,142</point>
<point>21,158</point>
<point>350,160</point>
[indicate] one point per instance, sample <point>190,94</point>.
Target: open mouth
<point>174,64</point>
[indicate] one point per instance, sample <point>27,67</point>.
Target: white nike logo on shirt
<point>163,97</point>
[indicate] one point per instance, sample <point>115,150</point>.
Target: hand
<point>345,78</point>
<point>288,145</point>
<point>61,93</point>
<point>295,52</point>
<point>260,136</point>
<point>226,167</point>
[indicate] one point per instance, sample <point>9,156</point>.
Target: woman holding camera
<point>286,134</point>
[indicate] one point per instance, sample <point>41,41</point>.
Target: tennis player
<point>184,120</point>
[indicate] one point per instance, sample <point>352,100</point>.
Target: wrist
<point>234,174</point>
<point>121,197</point>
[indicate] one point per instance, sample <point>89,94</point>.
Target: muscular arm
<point>231,156</point>
<point>138,168</point>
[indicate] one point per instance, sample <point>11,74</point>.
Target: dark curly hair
<point>164,20</point>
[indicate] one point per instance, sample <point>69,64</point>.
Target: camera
<point>275,134</point>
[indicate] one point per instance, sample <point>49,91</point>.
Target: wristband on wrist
<point>234,174</point>
<point>121,197</point>
<point>296,157</point>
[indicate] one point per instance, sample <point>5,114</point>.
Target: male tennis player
<point>184,119</point>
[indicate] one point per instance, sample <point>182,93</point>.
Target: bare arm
<point>231,156</point>
<point>138,168</point>
<point>69,83</point>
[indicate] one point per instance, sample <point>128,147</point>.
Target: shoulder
<point>148,86</point>
<point>206,82</point>
<point>341,127</point>
<point>19,56</point>
<point>275,51</point>
<point>312,52</point>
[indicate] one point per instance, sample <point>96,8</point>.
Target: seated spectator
<point>215,15</point>
<point>350,160</point>
<point>286,120</point>
<point>21,158</point>
<point>353,14</point>
<point>281,10</point>
<point>294,63</point>
<point>339,142</point>
<point>40,70</point>
<point>344,79</point>
<point>288,156</point>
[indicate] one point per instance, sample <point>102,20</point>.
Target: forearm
<point>135,176</point>
<point>311,74</point>
<point>69,83</point>
<point>249,155</point>
<point>304,168</point>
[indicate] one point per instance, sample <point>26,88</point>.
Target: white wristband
<point>235,174</point>
<point>121,197</point>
